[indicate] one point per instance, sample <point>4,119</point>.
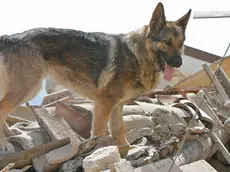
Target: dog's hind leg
<point>7,105</point>
<point>5,108</point>
<point>23,73</point>
<point>10,132</point>
<point>24,95</point>
<point>116,126</point>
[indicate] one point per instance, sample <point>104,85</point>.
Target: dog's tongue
<point>168,72</point>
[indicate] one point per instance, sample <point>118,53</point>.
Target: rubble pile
<point>56,134</point>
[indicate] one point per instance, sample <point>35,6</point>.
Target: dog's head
<point>167,38</point>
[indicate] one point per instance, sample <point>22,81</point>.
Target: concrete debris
<point>121,166</point>
<point>57,128</point>
<point>219,166</point>
<point>137,122</point>
<point>135,153</point>
<point>201,165</point>
<point>73,117</point>
<point>75,165</point>
<point>160,166</point>
<point>101,159</point>
<point>56,135</point>
<point>135,135</point>
<point>56,96</point>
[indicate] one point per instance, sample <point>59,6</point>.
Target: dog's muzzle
<point>176,62</point>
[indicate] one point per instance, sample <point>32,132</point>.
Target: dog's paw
<point>6,146</point>
<point>124,150</point>
<point>13,132</point>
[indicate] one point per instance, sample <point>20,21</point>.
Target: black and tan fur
<point>109,69</point>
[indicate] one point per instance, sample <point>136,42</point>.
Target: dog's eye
<point>167,42</point>
<point>181,44</point>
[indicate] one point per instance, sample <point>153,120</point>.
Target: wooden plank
<point>215,82</point>
<point>24,158</point>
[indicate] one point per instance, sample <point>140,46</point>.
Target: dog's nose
<point>177,61</point>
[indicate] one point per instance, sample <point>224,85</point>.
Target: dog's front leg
<point>117,130</point>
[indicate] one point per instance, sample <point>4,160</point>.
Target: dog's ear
<point>183,21</point>
<point>158,19</point>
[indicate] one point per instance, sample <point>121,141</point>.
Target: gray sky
<point>117,16</point>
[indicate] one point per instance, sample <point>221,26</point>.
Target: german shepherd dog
<point>110,69</point>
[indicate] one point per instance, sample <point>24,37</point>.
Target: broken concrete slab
<point>160,166</point>
<point>173,114</point>
<point>24,140</point>
<point>101,159</point>
<point>85,109</point>
<point>206,109</point>
<point>135,135</point>
<point>81,124</point>
<point>61,154</point>
<point>218,166</point>
<point>78,100</point>
<point>57,128</point>
<point>219,156</point>
<point>121,166</point>
<point>63,100</point>
<point>202,148</point>
<point>56,96</point>
<point>41,164</point>
<point>137,122</point>
<point>200,165</point>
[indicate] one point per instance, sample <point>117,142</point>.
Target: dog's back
<point>75,58</point>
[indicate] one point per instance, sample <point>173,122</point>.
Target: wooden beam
<point>211,14</point>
